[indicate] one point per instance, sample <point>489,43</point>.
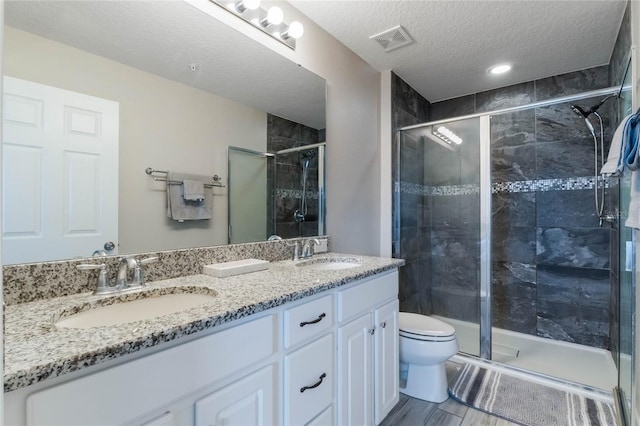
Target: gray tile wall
<point>551,260</point>
<point>283,134</point>
<point>409,107</point>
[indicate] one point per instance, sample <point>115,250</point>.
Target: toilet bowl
<point>425,344</point>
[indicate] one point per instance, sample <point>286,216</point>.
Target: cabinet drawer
<point>364,297</point>
<point>308,320</point>
<point>308,381</point>
<point>324,419</point>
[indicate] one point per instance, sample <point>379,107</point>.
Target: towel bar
<point>151,172</point>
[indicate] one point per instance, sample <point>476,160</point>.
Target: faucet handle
<point>137,273</point>
<point>152,259</point>
<point>91,266</point>
<point>102,285</point>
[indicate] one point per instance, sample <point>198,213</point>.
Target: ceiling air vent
<point>393,38</point>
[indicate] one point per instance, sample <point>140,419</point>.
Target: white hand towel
<point>193,190</point>
<point>615,164</point>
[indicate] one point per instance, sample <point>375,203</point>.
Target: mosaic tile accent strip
<point>568,184</point>
<point>295,193</point>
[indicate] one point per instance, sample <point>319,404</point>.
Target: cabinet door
<point>250,401</point>
<point>386,360</point>
<point>167,419</point>
<point>355,369</point>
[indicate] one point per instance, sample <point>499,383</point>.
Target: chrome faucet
<point>307,248</point>
<point>121,285</point>
<point>126,263</point>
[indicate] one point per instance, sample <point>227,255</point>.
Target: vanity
<point>309,342</point>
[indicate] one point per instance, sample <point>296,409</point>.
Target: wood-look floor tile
<point>454,407</point>
<point>478,418</point>
<point>443,418</point>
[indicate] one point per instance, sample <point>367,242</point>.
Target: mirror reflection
<point>97,92</point>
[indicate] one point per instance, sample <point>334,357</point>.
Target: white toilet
<point>425,344</point>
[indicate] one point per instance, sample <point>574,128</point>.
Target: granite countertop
<point>35,349</point>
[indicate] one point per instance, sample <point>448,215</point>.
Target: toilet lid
<point>424,325</point>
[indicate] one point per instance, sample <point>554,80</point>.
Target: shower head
<point>582,113</point>
<point>306,157</point>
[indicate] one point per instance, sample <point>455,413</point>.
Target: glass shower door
<point>250,202</point>
<point>442,226</point>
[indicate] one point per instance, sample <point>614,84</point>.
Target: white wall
<point>353,138</point>
<point>163,124</point>
<point>353,129</point>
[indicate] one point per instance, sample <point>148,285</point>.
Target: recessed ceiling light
<point>499,69</point>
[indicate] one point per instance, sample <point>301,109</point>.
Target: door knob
<point>109,246</point>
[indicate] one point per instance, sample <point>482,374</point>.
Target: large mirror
<point>136,85</point>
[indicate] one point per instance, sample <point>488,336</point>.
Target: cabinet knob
<point>383,324</point>
<point>371,331</point>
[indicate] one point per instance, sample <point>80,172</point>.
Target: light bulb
<point>243,5</point>
<point>295,30</point>
<point>275,16</point>
<point>499,69</point>
<point>251,4</point>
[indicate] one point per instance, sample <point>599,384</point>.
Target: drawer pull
<point>315,321</point>
<point>383,324</point>
<point>315,385</point>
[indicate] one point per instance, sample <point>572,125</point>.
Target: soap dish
<point>237,267</point>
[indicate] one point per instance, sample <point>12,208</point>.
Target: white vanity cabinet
<point>330,358</point>
<point>368,360</point>
<point>162,388</point>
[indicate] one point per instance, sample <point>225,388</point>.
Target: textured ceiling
<point>457,40</point>
<point>164,37</point>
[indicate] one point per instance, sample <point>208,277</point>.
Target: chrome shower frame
<point>321,146</point>
<point>485,196</point>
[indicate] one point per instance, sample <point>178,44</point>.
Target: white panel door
<point>250,401</point>
<point>60,173</point>
<point>355,369</point>
<point>386,360</point>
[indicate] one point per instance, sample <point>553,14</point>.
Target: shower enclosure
<point>502,240</point>
<point>280,193</point>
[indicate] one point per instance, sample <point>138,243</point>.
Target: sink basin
<point>149,307</point>
<point>329,264</point>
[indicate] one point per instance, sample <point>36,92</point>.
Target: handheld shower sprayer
<point>599,200</point>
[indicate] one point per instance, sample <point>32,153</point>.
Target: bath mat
<point>526,403</point>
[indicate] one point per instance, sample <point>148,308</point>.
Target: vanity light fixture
<point>269,22</point>
<point>447,135</point>
<point>499,69</point>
